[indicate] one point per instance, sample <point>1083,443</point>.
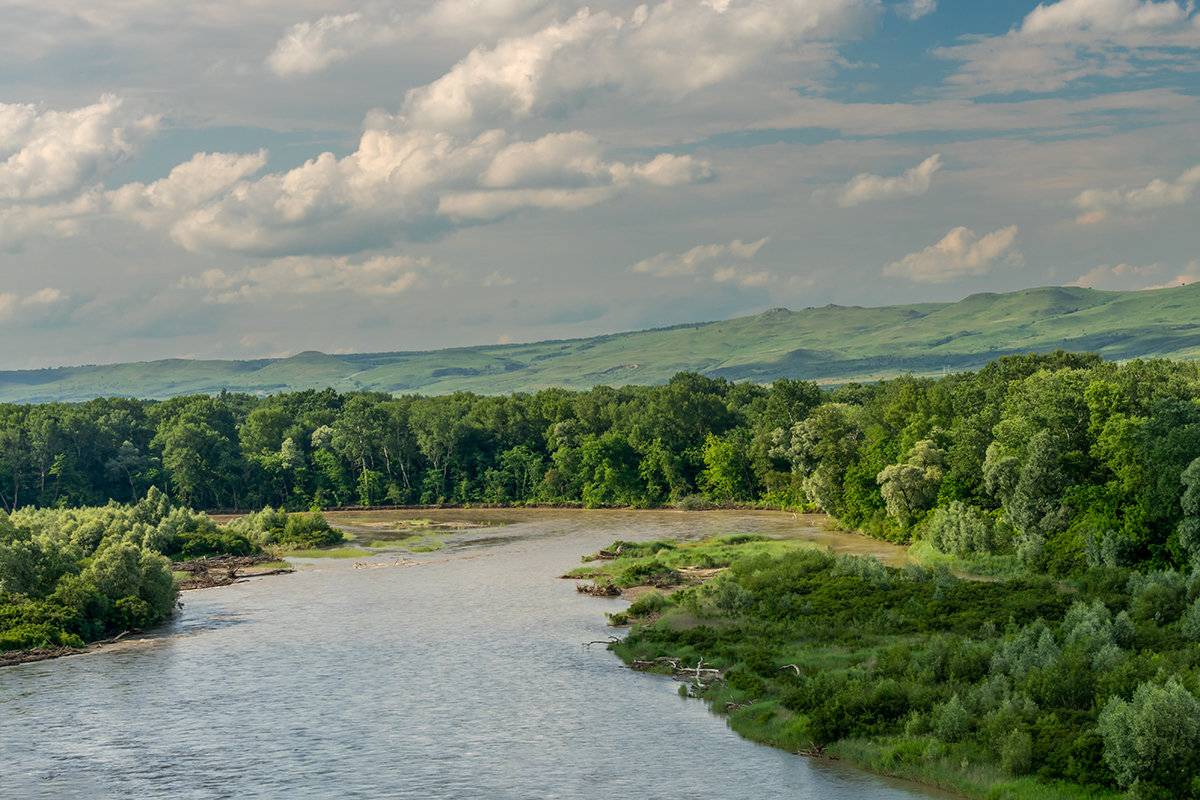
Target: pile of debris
<point>223,570</point>
<point>700,677</point>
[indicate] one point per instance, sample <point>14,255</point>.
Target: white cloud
<point>1127,277</point>
<point>959,253</point>
<point>1156,194</point>
<point>1060,43</point>
<point>1190,274</point>
<point>1118,278</point>
<point>572,158</point>
<point>865,187</point>
<point>400,181</point>
<point>60,220</point>
<point>667,50</point>
<point>1109,16</point>
<point>689,264</point>
<point>49,155</point>
<point>741,277</point>
<point>25,309</point>
<point>202,177</point>
<point>312,275</point>
<point>915,9</point>
<point>312,46</point>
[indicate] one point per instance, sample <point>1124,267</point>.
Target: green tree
<point>1153,741</point>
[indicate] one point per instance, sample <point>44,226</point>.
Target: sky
<point>255,178</point>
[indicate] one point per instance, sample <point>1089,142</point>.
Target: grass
<point>833,344</point>
<point>333,552</point>
<point>927,555</point>
<point>952,770</point>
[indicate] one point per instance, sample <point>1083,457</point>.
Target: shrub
<point>1153,739</point>
<point>1016,752</point>
<point>951,722</point>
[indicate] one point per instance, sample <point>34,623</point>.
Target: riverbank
<point>989,689</point>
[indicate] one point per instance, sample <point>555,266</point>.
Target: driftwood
<point>609,640</point>
<point>698,675</point>
<point>399,562</point>
<point>598,590</point>
<point>791,666</point>
<point>222,570</point>
<point>814,750</point>
<point>12,657</point>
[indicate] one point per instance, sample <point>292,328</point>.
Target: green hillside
<point>831,344</point>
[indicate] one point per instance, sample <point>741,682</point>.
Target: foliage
<point>970,684</point>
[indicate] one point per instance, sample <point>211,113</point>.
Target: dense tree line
<point>1050,462</point>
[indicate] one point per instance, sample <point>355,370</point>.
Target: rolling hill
<point>832,344</point>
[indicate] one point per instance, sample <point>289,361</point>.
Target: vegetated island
<point>70,578</point>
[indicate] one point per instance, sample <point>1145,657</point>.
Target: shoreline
<point>731,688</point>
<point>202,579</point>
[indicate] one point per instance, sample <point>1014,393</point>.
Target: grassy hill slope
<point>829,344</point>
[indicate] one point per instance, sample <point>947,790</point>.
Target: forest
<point>1049,463</point>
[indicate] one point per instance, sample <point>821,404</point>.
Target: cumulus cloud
<point>716,261</point>
<point>314,45</point>
<point>16,309</point>
<point>49,155</point>
<point>61,220</point>
<point>669,49</point>
<point>959,253</point>
<point>1156,194</point>
<point>1125,277</point>
<point>402,181</point>
<point>1109,16</point>
<point>915,9</point>
<point>377,276</point>
<point>1059,43</point>
<point>865,187</point>
<point>202,177</point>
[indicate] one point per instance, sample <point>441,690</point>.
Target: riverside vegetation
<point>1027,688</point>
<point>72,576</point>
<point>1076,479</point>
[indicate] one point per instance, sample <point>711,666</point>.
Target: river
<point>463,676</point>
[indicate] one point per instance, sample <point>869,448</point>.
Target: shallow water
<point>461,677</point>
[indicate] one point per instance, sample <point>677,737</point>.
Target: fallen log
<point>13,657</point>
<point>598,590</point>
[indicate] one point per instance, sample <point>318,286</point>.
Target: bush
<point>1153,739</point>
<point>951,722</point>
<point>1016,752</point>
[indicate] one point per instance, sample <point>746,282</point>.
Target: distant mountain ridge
<point>831,344</point>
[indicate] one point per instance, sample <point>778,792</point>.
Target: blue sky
<point>228,180</point>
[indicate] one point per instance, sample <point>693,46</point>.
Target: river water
<point>463,676</point>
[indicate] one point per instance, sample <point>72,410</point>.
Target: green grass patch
<point>1006,566</point>
<point>333,552</point>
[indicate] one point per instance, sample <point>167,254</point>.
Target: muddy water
<point>462,676</point>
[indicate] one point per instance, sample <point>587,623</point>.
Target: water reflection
<point>464,678</point>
